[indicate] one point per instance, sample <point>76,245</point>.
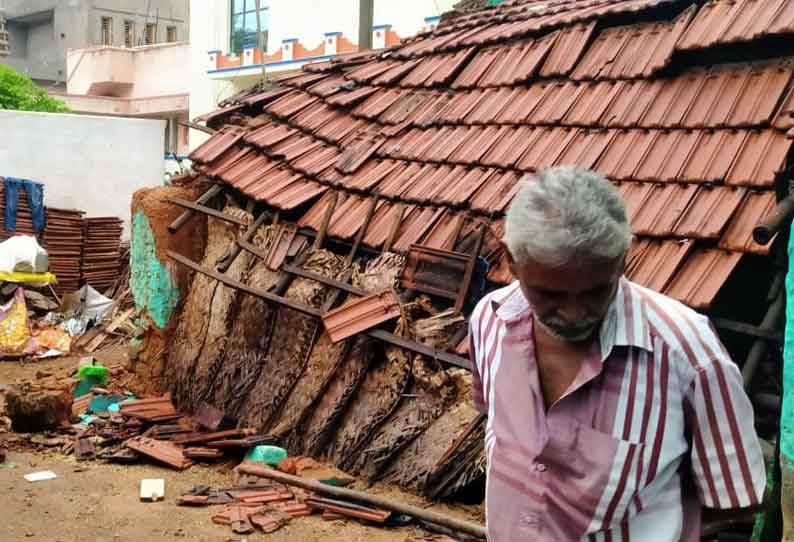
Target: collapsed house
<point>392,170</point>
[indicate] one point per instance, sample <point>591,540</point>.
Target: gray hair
<point>566,214</point>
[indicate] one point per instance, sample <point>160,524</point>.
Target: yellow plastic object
<point>28,278</point>
<point>14,331</point>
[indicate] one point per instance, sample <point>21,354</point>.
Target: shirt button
<point>540,467</point>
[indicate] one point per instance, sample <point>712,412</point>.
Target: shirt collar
<point>625,323</point>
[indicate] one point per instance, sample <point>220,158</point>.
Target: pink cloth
<point>656,420</point>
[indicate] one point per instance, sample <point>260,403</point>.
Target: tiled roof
<point>445,125</point>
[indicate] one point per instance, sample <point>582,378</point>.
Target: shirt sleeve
<point>478,397</point>
<point>726,458</point>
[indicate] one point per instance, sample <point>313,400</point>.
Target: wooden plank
<point>207,211</point>
<point>182,219</point>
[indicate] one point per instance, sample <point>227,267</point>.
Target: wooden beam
<point>329,212</point>
<point>247,236</point>
<point>473,529</point>
<point>362,231</point>
<point>182,219</point>
<point>748,329</point>
<point>207,211</point>
<point>471,265</point>
<point>772,224</point>
<point>349,288</point>
<point>381,335</point>
<point>195,126</point>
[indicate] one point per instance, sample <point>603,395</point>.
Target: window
<point>246,19</point>
<point>151,33</point>
<point>107,31</point>
<point>129,33</point>
<point>170,34</point>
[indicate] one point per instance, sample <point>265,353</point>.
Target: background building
<point>234,43</point>
<point>40,32</point>
<point>3,36</point>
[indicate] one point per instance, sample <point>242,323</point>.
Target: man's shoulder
<point>687,333</point>
<point>491,301</point>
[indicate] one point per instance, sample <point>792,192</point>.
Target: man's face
<point>570,302</point>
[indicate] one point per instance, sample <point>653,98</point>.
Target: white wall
<point>85,162</point>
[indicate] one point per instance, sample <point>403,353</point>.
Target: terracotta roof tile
<point>429,45</point>
<point>261,98</point>
<point>511,145</point>
<point>371,70</point>
<point>709,211</point>
<point>400,179</point>
<point>339,127</point>
<point>381,224</point>
<point>225,160</point>
<point>442,236</point>
<point>654,209</point>
<point>701,277</point>
<point>523,103</point>
<point>397,72</point>
<point>291,103</point>
<point>631,103</point>
<point>476,69</point>
<point>415,225</point>
<point>761,95</point>
<point>463,183</point>
<point>761,157</point>
<point>711,156</point>
<point>495,195</point>
<point>568,45</point>
<point>586,148</point>
<point>626,151</point>
<point>269,134</point>
<point>348,217</point>
<point>674,100</point>
<point>370,174</point>
<point>359,315</point>
<point>352,97</point>
<point>326,86</point>
<point>460,105</point>
<point>556,103</point>
<point>720,22</point>
<point>739,234</point>
<point>216,145</point>
<point>477,144</point>
<point>377,103</point>
<point>656,262</point>
<point>293,147</point>
<point>239,169</point>
<point>358,150</point>
<point>314,116</point>
<point>314,162</point>
<point>784,118</point>
<point>450,139</point>
<point>293,195</point>
<point>437,69</point>
<point>547,149</point>
<point>596,99</point>
<point>493,104</point>
<point>408,105</point>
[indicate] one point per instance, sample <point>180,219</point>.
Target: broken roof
<point>445,125</point>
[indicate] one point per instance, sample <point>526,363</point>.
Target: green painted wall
<point>153,287</point>
<point>787,413</point>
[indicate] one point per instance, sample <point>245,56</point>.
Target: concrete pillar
<point>332,42</point>
<point>379,35</point>
<point>288,48</point>
<point>212,59</point>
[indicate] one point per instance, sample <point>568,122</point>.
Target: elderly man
<point>613,411</point>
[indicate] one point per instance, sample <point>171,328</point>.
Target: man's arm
<point>726,458</point>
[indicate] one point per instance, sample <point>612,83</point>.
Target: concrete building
<point>40,32</point>
<point>150,81</point>
<point>234,43</point>
<point>3,36</point>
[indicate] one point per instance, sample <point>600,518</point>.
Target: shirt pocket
<point>607,470</point>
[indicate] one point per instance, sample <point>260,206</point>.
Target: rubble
<point>34,410</point>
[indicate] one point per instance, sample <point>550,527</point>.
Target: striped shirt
<point>655,424</point>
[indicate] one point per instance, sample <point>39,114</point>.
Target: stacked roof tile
<point>445,126</point>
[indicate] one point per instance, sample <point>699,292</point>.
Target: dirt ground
<point>99,501</point>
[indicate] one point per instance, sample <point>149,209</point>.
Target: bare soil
<point>98,501</point>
